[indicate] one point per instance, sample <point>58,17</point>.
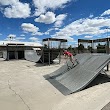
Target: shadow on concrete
<point>100,79</point>
<point>46,64</point>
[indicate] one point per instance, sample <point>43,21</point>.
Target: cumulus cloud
<point>107,12</point>
<point>22,35</point>
<point>51,29</point>
<point>37,33</point>
<point>28,27</point>
<point>88,37</point>
<point>91,16</point>
<point>0,34</point>
<point>34,39</point>
<point>50,17</point>
<point>58,23</point>
<point>48,31</point>
<point>61,17</point>
<point>59,20</point>
<point>86,26</point>
<point>15,9</point>
<point>11,37</point>
<point>8,2</point>
<point>62,36</point>
<point>43,5</point>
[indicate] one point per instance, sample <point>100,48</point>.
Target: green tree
<point>101,48</point>
<point>81,47</point>
<point>45,46</point>
<point>90,48</point>
<point>72,50</point>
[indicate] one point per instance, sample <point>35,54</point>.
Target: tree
<point>81,47</point>
<point>90,49</point>
<point>70,48</point>
<point>45,46</point>
<point>101,48</point>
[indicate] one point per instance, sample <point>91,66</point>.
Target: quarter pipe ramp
<point>77,78</point>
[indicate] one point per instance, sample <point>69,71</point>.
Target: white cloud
<point>37,33</point>
<point>63,36</point>
<point>43,5</point>
<point>51,29</point>
<point>18,10</point>
<point>48,31</point>
<point>91,16</point>
<point>0,34</point>
<point>11,37</point>
<point>8,2</point>
<point>48,18</point>
<point>107,12</point>
<point>34,39</point>
<point>58,23</point>
<point>56,28</point>
<point>28,27</point>
<point>87,26</point>
<point>88,37</point>
<point>22,35</point>
<point>59,20</point>
<point>15,9</point>
<point>61,17</point>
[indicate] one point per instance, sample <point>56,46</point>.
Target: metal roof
<point>55,39</point>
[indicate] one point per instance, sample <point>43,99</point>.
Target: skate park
<point>73,78</point>
<point>46,52</point>
<point>69,79</point>
<point>26,87</point>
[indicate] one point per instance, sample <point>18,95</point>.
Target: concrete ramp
<point>69,65</point>
<point>32,55</point>
<point>81,75</point>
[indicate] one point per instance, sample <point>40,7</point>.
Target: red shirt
<point>68,53</point>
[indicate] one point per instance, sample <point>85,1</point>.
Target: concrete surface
<point>23,87</point>
<point>106,107</point>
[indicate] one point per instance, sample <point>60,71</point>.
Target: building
<point>20,50</point>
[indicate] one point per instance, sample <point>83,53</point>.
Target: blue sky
<point>33,20</point>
